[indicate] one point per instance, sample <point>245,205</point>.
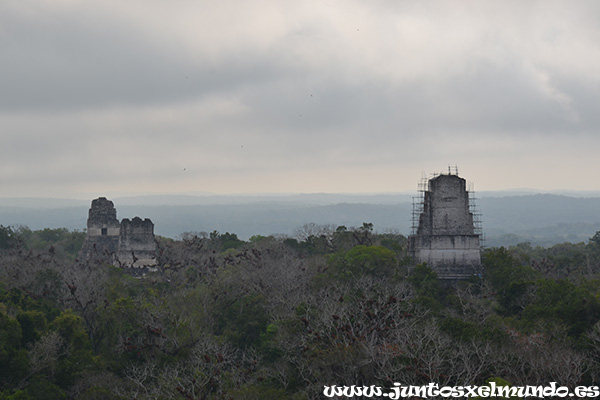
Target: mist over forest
<point>508,218</point>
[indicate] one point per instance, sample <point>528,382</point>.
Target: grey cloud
<point>363,85</point>
<point>59,62</point>
<point>67,63</point>
<point>486,99</point>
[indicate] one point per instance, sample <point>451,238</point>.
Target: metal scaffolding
<point>476,213</point>
<point>418,203</point>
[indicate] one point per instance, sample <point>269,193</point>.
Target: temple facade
<point>129,243</point>
<point>446,237</point>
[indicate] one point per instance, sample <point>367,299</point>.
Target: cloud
<point>132,94</point>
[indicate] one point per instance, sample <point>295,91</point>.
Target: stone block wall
<point>130,243</point>
<point>445,238</point>
<point>137,247</point>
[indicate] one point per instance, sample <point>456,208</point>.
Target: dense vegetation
<point>280,317</point>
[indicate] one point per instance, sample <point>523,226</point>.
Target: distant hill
<point>543,219</point>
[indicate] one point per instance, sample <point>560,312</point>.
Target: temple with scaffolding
<point>446,229</point>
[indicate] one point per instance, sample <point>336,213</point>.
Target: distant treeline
<point>539,219</point>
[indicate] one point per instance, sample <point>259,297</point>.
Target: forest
<point>280,317</point>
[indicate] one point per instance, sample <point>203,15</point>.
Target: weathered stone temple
<point>129,243</point>
<point>446,237</point>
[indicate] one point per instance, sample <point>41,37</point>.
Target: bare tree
<point>315,230</point>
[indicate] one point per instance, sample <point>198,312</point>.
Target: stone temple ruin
<point>446,230</point>
<point>129,243</point>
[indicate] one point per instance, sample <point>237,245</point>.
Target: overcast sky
<point>126,97</point>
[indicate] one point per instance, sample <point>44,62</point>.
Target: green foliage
<point>502,269</point>
<point>268,343</point>
<point>13,357</point>
<point>58,362</point>
<point>514,297</point>
<point>460,330</point>
<point>427,285</point>
<point>394,242</point>
<point>257,238</point>
<point>33,323</point>
<point>364,260</point>
<point>323,239</point>
<point>343,239</point>
<point>122,330</point>
<point>243,321</point>
<point>566,257</point>
<point>60,242</point>
<point>48,285</point>
<point>292,243</point>
<point>71,327</point>
<point>593,252</point>
<point>595,240</point>
<point>8,237</point>
<point>15,395</point>
<point>313,245</point>
<point>41,388</point>
<point>78,356</point>
<point>562,301</point>
<point>425,280</point>
<point>225,241</point>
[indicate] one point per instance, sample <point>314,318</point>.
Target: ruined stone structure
<point>446,238</point>
<point>129,243</point>
<point>103,228</point>
<point>136,243</point>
